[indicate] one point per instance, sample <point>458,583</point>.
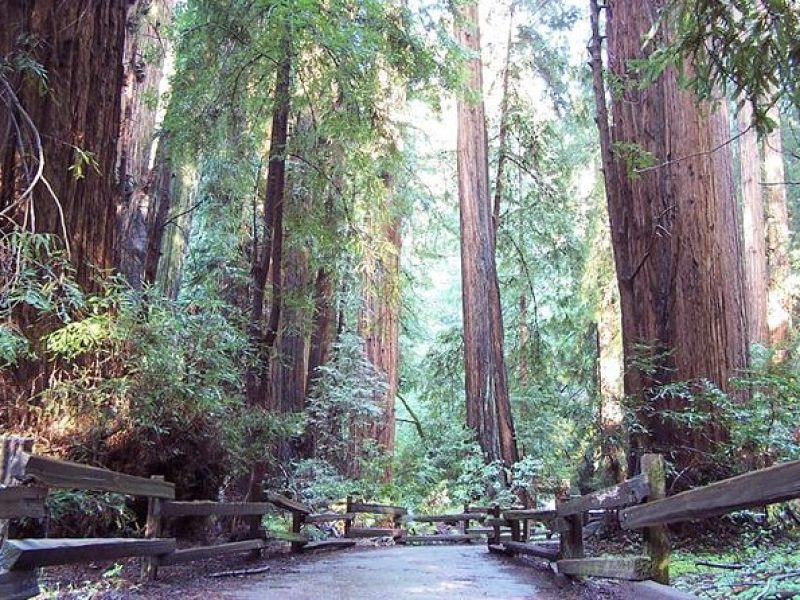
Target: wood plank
<point>22,501</point>
<point>63,474</point>
<point>331,544</point>
<point>636,568</point>
<point>202,508</point>
<point>455,518</point>
<point>530,515</point>
<point>757,488</point>
<point>479,530</point>
<point>549,552</point>
<point>377,509</point>
<point>493,521</point>
<point>328,517</point>
<point>370,532</point>
<point>632,491</point>
<point>440,538</point>
<point>288,503</point>
<point>18,585</point>
<point>61,551</point>
<point>201,552</point>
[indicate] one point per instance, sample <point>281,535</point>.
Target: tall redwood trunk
<point>674,233</point>
<point>267,254</point>
<point>488,403</point>
<point>80,45</point>
<point>146,51</point>
<point>754,228</point>
<point>379,324</point>
<point>780,298</point>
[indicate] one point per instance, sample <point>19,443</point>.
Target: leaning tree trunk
<point>780,298</point>
<point>675,238</point>
<point>754,229</point>
<point>488,403</point>
<point>74,115</point>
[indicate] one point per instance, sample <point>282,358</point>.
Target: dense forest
<point>431,252</point>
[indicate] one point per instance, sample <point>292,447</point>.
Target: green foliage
<point>344,405</point>
<point>749,49</point>
<point>78,513</point>
<point>758,432</point>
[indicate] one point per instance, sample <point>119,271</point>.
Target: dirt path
<point>463,572</point>
<point>416,573</point>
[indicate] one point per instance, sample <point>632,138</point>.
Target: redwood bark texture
<point>754,228</point>
<point>780,297</point>
<point>675,237</point>
<point>379,326</point>
<point>488,403</point>
<point>80,45</point>
<point>142,187</point>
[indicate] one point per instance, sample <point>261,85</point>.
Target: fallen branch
<point>732,566</point>
<point>241,572</point>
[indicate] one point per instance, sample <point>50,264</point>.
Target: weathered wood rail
<point>640,503</point>
<point>465,532</point>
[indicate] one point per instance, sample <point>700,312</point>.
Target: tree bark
<point>266,254</point>
<point>82,54</point>
<point>80,46</point>
<point>379,321</point>
<point>674,233</point>
<point>502,136</point>
<point>780,298</point>
<point>754,229</point>
<point>140,182</point>
<point>488,403</point>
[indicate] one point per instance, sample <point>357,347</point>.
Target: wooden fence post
<point>348,523</point>
<point>657,538</point>
<point>297,525</point>
<point>571,532</point>
<point>152,530</point>
<point>10,446</point>
<point>495,512</point>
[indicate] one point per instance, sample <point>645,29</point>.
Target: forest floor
<point>429,572</point>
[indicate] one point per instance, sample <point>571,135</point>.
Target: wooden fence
<point>640,503</point>
<point>20,557</point>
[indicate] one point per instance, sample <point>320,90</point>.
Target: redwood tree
<point>61,76</point>
<point>675,237</point>
<point>754,229</point>
<point>488,403</point>
<point>780,298</point>
<point>379,320</point>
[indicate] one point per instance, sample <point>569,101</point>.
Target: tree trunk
<point>754,229</point>
<point>488,404</point>
<point>780,299</point>
<point>675,239</point>
<point>80,45</point>
<point>379,321</point>
<point>267,253</point>
<point>502,136</point>
<point>146,52</point>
